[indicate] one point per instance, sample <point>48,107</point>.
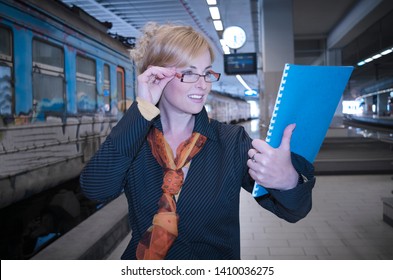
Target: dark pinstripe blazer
<point>208,205</point>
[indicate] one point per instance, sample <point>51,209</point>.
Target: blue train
<point>64,83</point>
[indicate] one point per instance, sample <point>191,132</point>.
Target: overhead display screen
<point>240,63</point>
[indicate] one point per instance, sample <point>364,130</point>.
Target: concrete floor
<point>345,223</point>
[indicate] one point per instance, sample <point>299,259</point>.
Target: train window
<point>48,74</point>
<point>86,84</point>
<point>106,89</point>
<point>6,45</point>
<point>6,66</point>
<point>121,96</point>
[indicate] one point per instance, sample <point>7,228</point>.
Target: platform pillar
<point>382,103</point>
<point>277,49</point>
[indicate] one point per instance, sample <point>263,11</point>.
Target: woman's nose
<point>201,83</point>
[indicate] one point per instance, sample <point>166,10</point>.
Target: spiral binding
<point>278,101</point>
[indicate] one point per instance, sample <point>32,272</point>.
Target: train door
<point>6,70</point>
<point>121,94</point>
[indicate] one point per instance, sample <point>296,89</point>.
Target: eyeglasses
<point>190,77</point>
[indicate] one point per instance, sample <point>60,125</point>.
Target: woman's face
<point>188,97</point>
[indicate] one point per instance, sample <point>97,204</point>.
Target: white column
<point>277,49</point>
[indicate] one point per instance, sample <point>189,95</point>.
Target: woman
<point>181,171</point>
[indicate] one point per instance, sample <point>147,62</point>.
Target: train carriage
<point>64,82</point>
<point>227,109</point>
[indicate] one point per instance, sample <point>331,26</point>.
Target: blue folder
<point>308,96</point>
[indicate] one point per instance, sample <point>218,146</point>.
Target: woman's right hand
<point>152,82</point>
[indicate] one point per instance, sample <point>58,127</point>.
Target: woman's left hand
<point>272,167</point>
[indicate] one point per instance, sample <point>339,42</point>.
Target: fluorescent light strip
<point>214,12</point>
<point>218,25</point>
<point>226,49</point>
<point>211,2</point>
<point>378,55</point>
<point>222,42</point>
<point>387,51</point>
<point>240,79</point>
<point>224,46</point>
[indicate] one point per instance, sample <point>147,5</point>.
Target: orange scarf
<point>159,237</point>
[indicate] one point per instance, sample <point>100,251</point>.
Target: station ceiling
<point>317,24</point>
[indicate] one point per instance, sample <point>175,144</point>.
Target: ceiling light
<point>240,79</point>
<point>224,46</point>
<point>218,25</point>
<point>387,51</point>
<point>211,2</point>
<point>378,55</point>
<point>226,49</point>
<point>214,12</point>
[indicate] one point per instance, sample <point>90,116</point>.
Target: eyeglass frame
<point>181,77</point>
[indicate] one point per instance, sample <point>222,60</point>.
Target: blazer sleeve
<point>292,205</point>
<point>104,175</point>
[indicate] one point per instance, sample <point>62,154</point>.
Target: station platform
<point>346,223</point>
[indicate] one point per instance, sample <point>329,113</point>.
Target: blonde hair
<point>168,45</point>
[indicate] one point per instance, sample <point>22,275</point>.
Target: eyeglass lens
<point>208,77</point>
